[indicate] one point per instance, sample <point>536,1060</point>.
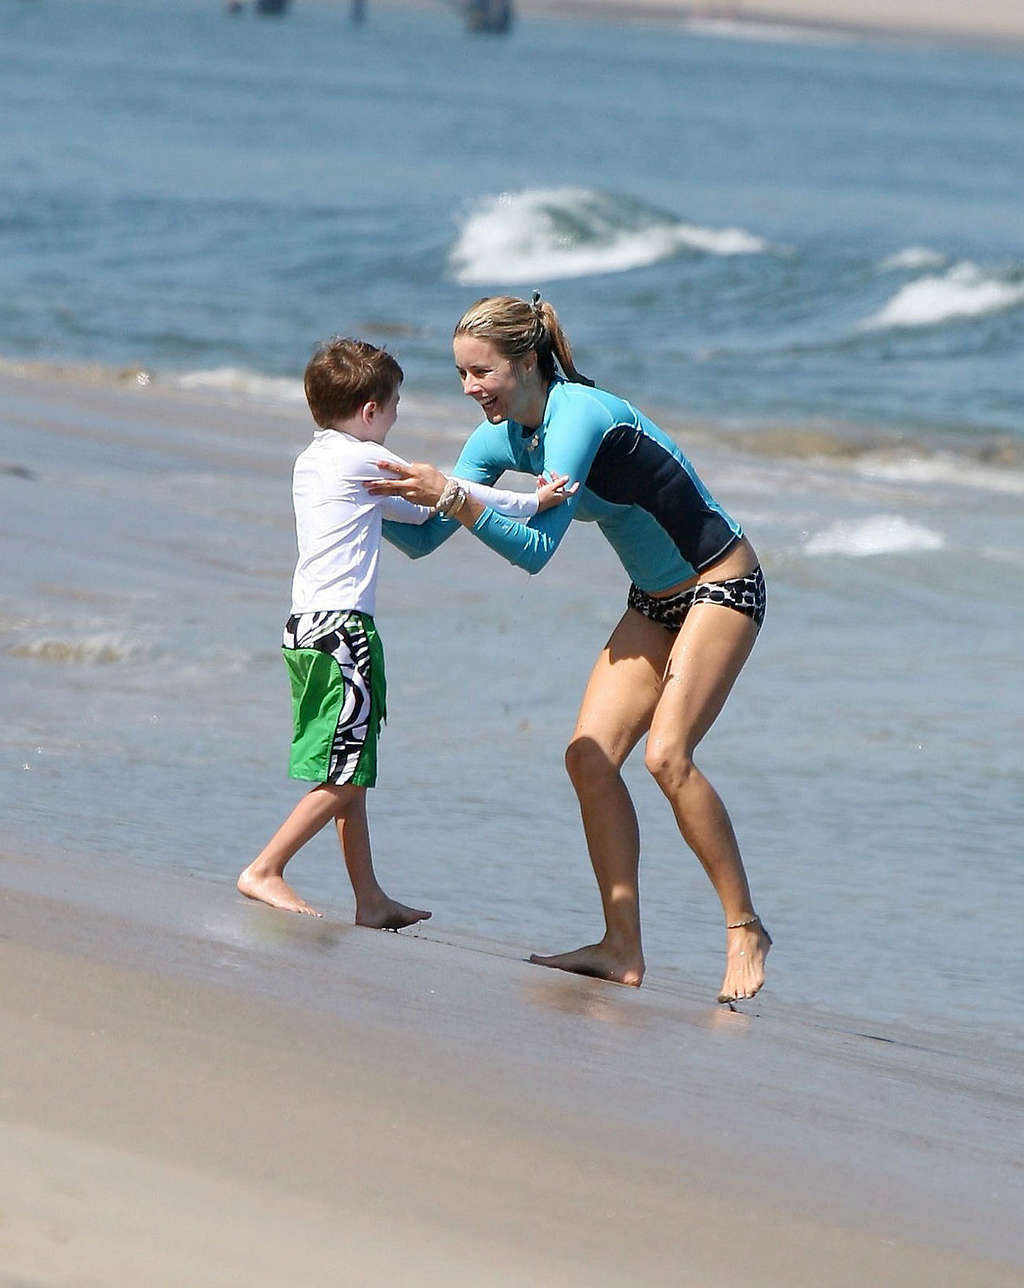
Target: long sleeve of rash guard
<point>572,436</point>
<point>433,531</point>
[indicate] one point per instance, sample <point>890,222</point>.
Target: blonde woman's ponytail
<point>557,339</point>
<point>515,327</point>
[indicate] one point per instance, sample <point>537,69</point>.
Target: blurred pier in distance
<point>489,16</point>
<point>493,16</point>
<point>357,8</point>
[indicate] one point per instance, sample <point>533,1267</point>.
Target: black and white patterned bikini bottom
<point>746,595</point>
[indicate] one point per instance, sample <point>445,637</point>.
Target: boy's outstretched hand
<point>552,492</point>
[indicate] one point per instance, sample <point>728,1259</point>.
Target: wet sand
<point>201,1090</point>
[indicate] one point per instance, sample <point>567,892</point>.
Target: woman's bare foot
<point>600,962</point>
<point>388,914</point>
<point>746,947</point>
<point>273,890</point>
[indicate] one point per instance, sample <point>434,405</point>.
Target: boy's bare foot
<point>598,961</point>
<point>388,914</point>
<point>746,947</point>
<point>275,891</point>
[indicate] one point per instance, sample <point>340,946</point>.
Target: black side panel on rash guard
<point>632,469</point>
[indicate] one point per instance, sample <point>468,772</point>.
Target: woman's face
<point>502,387</point>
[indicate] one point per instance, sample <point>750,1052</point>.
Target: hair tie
<point>535,302</point>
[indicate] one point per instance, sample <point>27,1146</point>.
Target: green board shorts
<point>335,663</point>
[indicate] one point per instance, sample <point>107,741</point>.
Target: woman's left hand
<point>422,484</point>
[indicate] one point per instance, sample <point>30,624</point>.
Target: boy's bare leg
<point>374,908</point>
<point>263,879</point>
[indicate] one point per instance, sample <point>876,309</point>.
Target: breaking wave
<point>965,291</point>
<point>547,234</point>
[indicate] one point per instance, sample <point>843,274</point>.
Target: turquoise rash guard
<point>635,484</point>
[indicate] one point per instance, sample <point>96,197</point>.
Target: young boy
<point>331,648</point>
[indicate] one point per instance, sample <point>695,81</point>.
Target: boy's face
<point>379,417</point>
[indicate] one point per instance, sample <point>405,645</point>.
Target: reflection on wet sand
<point>615,1004</point>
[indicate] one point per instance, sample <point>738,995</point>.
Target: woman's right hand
<point>417,482</point>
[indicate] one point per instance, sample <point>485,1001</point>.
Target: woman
<point>694,608</point>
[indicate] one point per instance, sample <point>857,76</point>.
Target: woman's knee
<point>588,763</point>
<point>670,766</point>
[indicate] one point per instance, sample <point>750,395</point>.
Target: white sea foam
<point>248,386</point>
<point>944,468</point>
<point>87,650</point>
<point>965,291</point>
<point>545,234</point>
<point>913,257</point>
<point>881,534</point>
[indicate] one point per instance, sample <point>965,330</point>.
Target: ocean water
<point>806,257</point>
<point>744,230</point>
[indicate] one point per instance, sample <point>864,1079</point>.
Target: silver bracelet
<point>737,925</point>
<point>452,499</point>
<point>460,500</point>
<point>446,498</point>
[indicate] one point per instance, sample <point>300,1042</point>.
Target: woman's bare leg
<point>618,704</point>
<point>374,908</point>
<point>707,656</point>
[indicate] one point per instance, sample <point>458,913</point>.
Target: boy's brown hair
<point>343,375</point>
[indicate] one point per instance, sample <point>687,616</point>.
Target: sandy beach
<point>201,1090</point>
<point>986,21</point>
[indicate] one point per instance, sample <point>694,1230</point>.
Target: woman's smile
<point>503,389</point>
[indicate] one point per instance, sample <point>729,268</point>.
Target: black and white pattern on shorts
<point>344,637</point>
<point>746,595</point>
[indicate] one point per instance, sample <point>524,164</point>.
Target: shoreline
<point>367,1090</point>
<point>998,454</point>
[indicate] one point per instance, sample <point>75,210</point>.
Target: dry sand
<point>199,1090</point>
<point>982,20</point>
